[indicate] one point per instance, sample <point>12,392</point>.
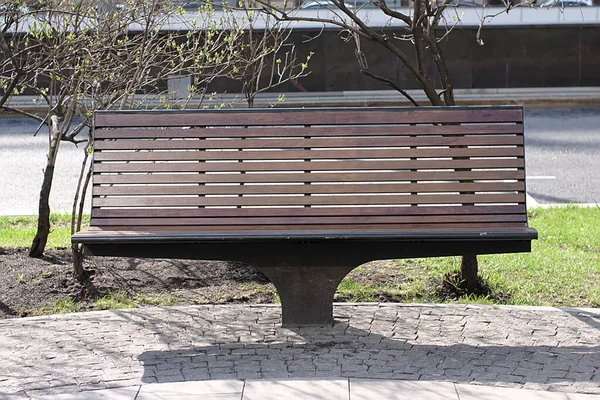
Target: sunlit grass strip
<point>563,268</point>
<point>20,231</point>
<point>112,301</point>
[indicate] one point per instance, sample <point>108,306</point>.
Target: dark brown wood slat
<point>126,190</point>
<point>489,140</point>
<point>324,229</point>
<point>238,213</point>
<point>307,117</point>
<point>321,220</point>
<point>157,178</point>
<point>345,131</point>
<point>283,230</point>
<point>178,155</point>
<point>309,166</point>
<point>252,201</point>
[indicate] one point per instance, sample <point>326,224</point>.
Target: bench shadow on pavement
<point>344,351</point>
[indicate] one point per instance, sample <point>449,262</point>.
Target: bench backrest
<point>293,169</point>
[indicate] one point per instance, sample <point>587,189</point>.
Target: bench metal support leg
<point>306,293</point>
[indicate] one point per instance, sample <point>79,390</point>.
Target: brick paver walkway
<point>523,347</point>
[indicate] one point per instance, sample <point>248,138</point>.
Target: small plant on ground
<point>113,300</point>
<point>65,306</point>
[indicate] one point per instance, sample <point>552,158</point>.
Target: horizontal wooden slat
<point>176,155</point>
<point>126,190</point>
<point>385,142</point>
<point>321,220</point>
<point>309,166</point>
<point>307,117</point>
<point>280,230</point>
<point>307,212</point>
<point>252,201</point>
<point>309,131</point>
<point>265,177</point>
<point>197,232</point>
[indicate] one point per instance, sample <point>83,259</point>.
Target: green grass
<point>65,306</point>
<point>563,268</point>
<point>20,231</point>
<point>396,281</point>
<point>112,301</point>
<point>120,300</point>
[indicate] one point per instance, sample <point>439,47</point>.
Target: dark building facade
<point>518,56</point>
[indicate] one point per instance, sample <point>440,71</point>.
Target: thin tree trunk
<point>468,269</point>
<point>77,218</point>
<point>43,230</point>
<point>80,273</point>
<point>444,74</point>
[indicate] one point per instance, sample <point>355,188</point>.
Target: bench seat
<point>99,235</point>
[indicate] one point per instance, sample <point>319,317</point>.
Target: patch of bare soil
<point>30,284</point>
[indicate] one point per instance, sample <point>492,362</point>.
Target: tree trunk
<point>468,270</point>
<point>77,217</point>
<point>80,273</point>
<point>442,69</point>
<point>43,230</point>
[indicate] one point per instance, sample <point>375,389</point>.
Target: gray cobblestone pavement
<point>520,347</point>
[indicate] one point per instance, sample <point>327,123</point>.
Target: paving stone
<point>536,386</point>
<point>14,396</point>
<point>400,390</point>
<point>354,367</point>
<point>296,389</point>
<point>223,376</point>
<point>281,374</point>
<point>473,392</point>
<point>580,396</point>
<point>170,378</point>
<point>124,393</point>
<point>201,390</point>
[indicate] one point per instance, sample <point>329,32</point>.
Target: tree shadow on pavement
<point>525,347</point>
<point>407,351</point>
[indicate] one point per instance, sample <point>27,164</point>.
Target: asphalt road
<point>22,161</point>
<point>562,145</point>
<point>563,155</point>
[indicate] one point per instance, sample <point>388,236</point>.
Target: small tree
<point>425,27</point>
<point>13,68</point>
<point>426,24</point>
<point>79,58</point>
<point>268,59</point>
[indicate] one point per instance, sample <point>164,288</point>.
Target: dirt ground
<point>31,286</point>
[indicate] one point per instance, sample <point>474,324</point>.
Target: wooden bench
<point>306,195</point>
